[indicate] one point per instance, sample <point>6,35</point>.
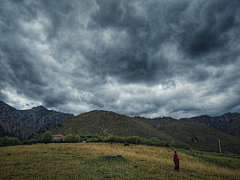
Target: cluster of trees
<point>95,139</point>
<point>69,138</point>
<point>133,140</point>
<point>9,141</point>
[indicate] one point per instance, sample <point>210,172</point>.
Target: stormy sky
<point>151,58</point>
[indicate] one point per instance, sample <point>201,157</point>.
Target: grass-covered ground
<point>83,161</point>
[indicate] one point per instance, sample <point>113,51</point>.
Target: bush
<point>4,141</point>
<point>56,140</point>
<point>47,137</point>
<point>122,139</point>
<point>32,141</point>
<point>11,141</point>
<point>133,140</point>
<point>169,143</point>
<point>69,138</point>
<point>129,139</point>
<point>77,138</point>
<point>112,138</point>
<point>143,140</point>
<point>148,141</point>
<point>83,138</point>
<point>155,141</point>
<point>98,139</point>
<point>90,140</point>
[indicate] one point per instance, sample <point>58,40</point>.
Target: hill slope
<point>199,136</point>
<point>22,123</point>
<point>104,123</point>
<point>228,122</point>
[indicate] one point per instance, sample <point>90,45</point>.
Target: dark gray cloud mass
<point>149,58</point>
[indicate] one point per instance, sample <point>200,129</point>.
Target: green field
<point>84,161</point>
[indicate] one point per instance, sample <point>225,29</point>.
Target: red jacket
<point>176,159</point>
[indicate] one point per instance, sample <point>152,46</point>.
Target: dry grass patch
<point>83,161</point>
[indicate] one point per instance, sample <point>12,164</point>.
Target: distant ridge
<point>197,135</point>
<point>228,122</point>
<point>22,123</point>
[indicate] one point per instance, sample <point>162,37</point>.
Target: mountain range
<point>22,123</point>
<point>202,132</point>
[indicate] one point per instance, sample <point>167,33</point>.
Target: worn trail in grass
<point>83,161</point>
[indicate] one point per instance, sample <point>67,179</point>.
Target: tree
<point>77,138</point>
<point>32,141</point>
<point>4,141</point>
<point>69,138</point>
<point>155,141</point>
<point>47,137</point>
<point>16,141</point>
<point>143,140</point>
<point>11,141</point>
<point>133,139</point>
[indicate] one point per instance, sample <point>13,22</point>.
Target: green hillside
<point>200,136</point>
<point>184,132</point>
<point>104,123</point>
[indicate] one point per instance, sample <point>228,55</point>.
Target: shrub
<point>77,138</point>
<point>143,140</point>
<point>4,141</point>
<point>155,141</point>
<point>56,140</point>
<point>167,143</point>
<point>69,138</point>
<point>47,137</point>
<point>13,141</point>
<point>32,141</point>
<point>122,139</point>
<point>148,141</point>
<point>89,140</point>
<point>133,139</point>
<point>83,138</point>
<point>105,139</point>
<point>129,139</point>
<point>112,138</point>
<point>161,143</point>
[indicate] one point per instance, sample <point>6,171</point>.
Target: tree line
<point>69,138</point>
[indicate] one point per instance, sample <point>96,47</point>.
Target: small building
<point>58,136</point>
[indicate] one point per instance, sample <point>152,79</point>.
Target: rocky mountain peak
<point>22,123</point>
<point>38,108</point>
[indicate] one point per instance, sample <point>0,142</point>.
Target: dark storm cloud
<point>210,31</point>
<point>150,58</point>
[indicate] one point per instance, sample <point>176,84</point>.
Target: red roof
<point>58,135</point>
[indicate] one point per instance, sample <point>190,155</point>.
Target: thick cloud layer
<point>149,58</point>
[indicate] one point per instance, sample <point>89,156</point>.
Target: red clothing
<point>176,159</point>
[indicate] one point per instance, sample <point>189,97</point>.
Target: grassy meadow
<point>84,161</point>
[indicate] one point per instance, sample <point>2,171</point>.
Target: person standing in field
<point>176,161</point>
